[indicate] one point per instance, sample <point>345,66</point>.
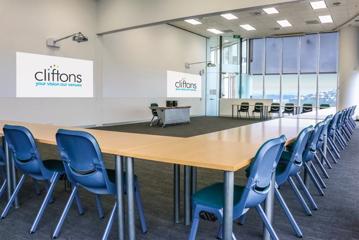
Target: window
<point>290,88</point>
<point>290,54</point>
<point>327,89</point>
<point>328,53</point>
<point>256,56</point>
<point>273,55</point>
<point>308,89</point>
<point>309,53</point>
<point>272,87</point>
<point>255,86</point>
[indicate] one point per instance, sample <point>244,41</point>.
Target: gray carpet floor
<point>337,217</point>
<point>198,126</point>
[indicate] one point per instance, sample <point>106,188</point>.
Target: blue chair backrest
<point>262,169</point>
<point>2,156</point>
<point>296,161</point>
<point>312,144</point>
<point>24,151</point>
<point>83,161</point>
<point>333,124</point>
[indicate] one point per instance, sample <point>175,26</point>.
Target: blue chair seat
<point>213,195</point>
<point>54,165</point>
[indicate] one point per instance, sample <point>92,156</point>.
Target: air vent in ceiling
<point>336,4</point>
<point>276,28</point>
<point>227,31</point>
<point>311,22</point>
<point>256,13</point>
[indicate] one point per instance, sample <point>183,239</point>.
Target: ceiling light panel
<point>326,19</point>
<point>193,21</point>
<point>229,16</point>
<point>247,27</point>
<point>215,31</point>
<point>271,10</point>
<point>318,5</point>
<point>284,23</point>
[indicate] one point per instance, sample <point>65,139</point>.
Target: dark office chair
<point>155,118</point>
<point>258,108</point>
<point>252,195</point>
<point>84,167</point>
<point>244,107</point>
<point>324,105</point>
<point>27,160</point>
<point>307,107</point>
<point>274,108</point>
<point>289,108</point>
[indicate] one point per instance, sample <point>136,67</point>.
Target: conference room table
<point>227,151</point>
<point>316,113</point>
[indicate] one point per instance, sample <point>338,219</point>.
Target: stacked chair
<point>3,182</point>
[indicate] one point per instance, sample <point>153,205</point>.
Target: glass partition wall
<point>293,69</point>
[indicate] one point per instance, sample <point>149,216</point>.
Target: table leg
<point>193,180</point>
<point>187,195</point>
<point>130,199</point>
<point>269,207</point>
<point>228,205</point>
<point>176,192</point>
<point>119,188</point>
<point>8,170</point>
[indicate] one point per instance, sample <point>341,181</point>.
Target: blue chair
<point>2,171</point>
<point>85,168</point>
<point>321,141</point>
<point>210,199</point>
<point>289,167</point>
<point>309,156</point>
<point>26,157</point>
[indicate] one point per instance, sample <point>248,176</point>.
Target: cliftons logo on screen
<point>182,85</point>
<point>53,74</point>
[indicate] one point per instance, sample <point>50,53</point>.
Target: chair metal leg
<point>242,219</point>
<point>109,223</point>
<point>194,227</point>
<point>332,156</point>
<point>64,213</point>
<point>334,148</point>
<point>317,175</point>
<point>306,192</point>
<point>321,166</point>
<point>139,206</point>
<point>3,188</point>
<point>99,207</point>
<point>80,208</point>
<point>300,197</point>
<point>46,201</point>
<point>315,181</point>
<point>152,121</point>
<point>13,196</point>
<point>325,159</point>
<point>290,217</point>
<point>266,222</point>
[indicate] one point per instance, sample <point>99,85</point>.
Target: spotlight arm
<point>63,38</point>
<point>188,65</point>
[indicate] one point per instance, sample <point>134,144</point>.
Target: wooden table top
<point>227,150</point>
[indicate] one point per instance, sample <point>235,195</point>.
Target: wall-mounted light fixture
<point>77,37</point>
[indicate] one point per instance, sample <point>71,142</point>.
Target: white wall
<point>135,65</point>
<point>117,14</point>
<point>348,94</point>
<point>25,25</point>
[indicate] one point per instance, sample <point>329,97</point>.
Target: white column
<point>348,91</point>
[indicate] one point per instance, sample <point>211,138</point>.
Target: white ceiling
<point>297,14</point>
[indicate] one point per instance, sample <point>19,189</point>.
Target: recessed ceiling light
<point>229,16</point>
<point>326,19</point>
<point>318,5</point>
<point>247,27</point>
<point>284,23</point>
<point>215,31</point>
<point>193,21</point>
<point>271,10</point>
